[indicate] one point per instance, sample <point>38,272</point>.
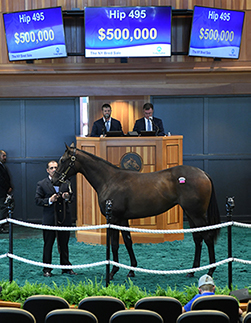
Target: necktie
<point>148,125</point>
<point>107,126</point>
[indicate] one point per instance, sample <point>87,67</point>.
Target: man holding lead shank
<point>55,201</point>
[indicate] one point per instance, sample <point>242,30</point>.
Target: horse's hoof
<point>190,275</point>
<point>113,272</point>
<point>131,274</point>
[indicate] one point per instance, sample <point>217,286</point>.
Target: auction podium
<point>155,153</point>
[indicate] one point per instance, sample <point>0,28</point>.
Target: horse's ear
<point>67,147</point>
<point>72,145</point>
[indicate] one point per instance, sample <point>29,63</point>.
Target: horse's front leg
<point>115,251</point>
<point>197,238</point>
<point>128,243</point>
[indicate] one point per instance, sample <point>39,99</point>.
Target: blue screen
<point>128,31</point>
<point>216,32</point>
<point>35,34</point>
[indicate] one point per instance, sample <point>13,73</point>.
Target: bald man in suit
<point>55,202</point>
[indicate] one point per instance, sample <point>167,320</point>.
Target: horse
<point>139,195</point>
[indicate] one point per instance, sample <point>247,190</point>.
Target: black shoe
<point>47,274</point>
<point>3,230</point>
<point>69,272</point>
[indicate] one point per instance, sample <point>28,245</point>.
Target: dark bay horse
<point>138,195</point>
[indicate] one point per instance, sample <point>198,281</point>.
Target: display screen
<point>216,32</point>
<point>128,32</point>
<point>35,34</point>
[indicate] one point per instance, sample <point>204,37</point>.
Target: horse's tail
<point>213,214</point>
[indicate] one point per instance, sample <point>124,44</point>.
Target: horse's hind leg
<point>209,240</point>
<point>115,251</point>
<point>128,243</point>
<point>197,238</point>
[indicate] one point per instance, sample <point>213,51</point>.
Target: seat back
<point>225,303</point>
<point>168,308</point>
<point>69,316</point>
<point>101,306</point>
<point>205,316</point>
<point>12,314</point>
<point>247,318</point>
<point>136,316</point>
<point>249,306</point>
<point>41,305</point>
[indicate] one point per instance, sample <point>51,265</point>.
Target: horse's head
<point>66,166</point>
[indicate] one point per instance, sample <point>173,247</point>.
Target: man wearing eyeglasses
<point>149,122</point>
<point>55,201</point>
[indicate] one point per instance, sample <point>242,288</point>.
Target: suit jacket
<point>5,182</point>
<point>60,209</point>
<point>140,125</point>
<point>98,127</point>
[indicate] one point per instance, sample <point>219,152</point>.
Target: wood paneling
<point>155,83</point>
<point>113,80</point>
<point>124,108</point>
<point>76,64</point>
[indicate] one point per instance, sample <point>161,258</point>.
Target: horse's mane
<point>96,158</point>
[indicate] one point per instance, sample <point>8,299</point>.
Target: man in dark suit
<point>55,202</point>
<point>5,188</point>
<point>106,123</point>
<point>148,122</point>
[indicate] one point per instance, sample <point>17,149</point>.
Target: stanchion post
<point>9,202</point>
<point>108,214</point>
<point>229,208</point>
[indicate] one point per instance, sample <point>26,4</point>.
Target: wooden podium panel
<point>157,153</point>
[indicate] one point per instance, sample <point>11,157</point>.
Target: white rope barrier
<point>211,227</point>
<point>246,262</point>
<point>116,227</point>
<point>168,272</point>
<point>40,264</point>
<point>242,225</point>
<point>4,255</point>
<point>182,271</point>
<point>105,262</point>
<point>121,228</point>
<point>48,227</point>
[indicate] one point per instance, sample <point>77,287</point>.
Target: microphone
<point>103,129</point>
<point>151,119</point>
<point>107,116</point>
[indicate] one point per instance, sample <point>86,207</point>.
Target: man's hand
<point>66,196</point>
<point>54,198</point>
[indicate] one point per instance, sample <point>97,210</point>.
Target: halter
<point>62,176</point>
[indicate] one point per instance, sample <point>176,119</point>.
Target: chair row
<point>103,307</point>
<point>8,314</point>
